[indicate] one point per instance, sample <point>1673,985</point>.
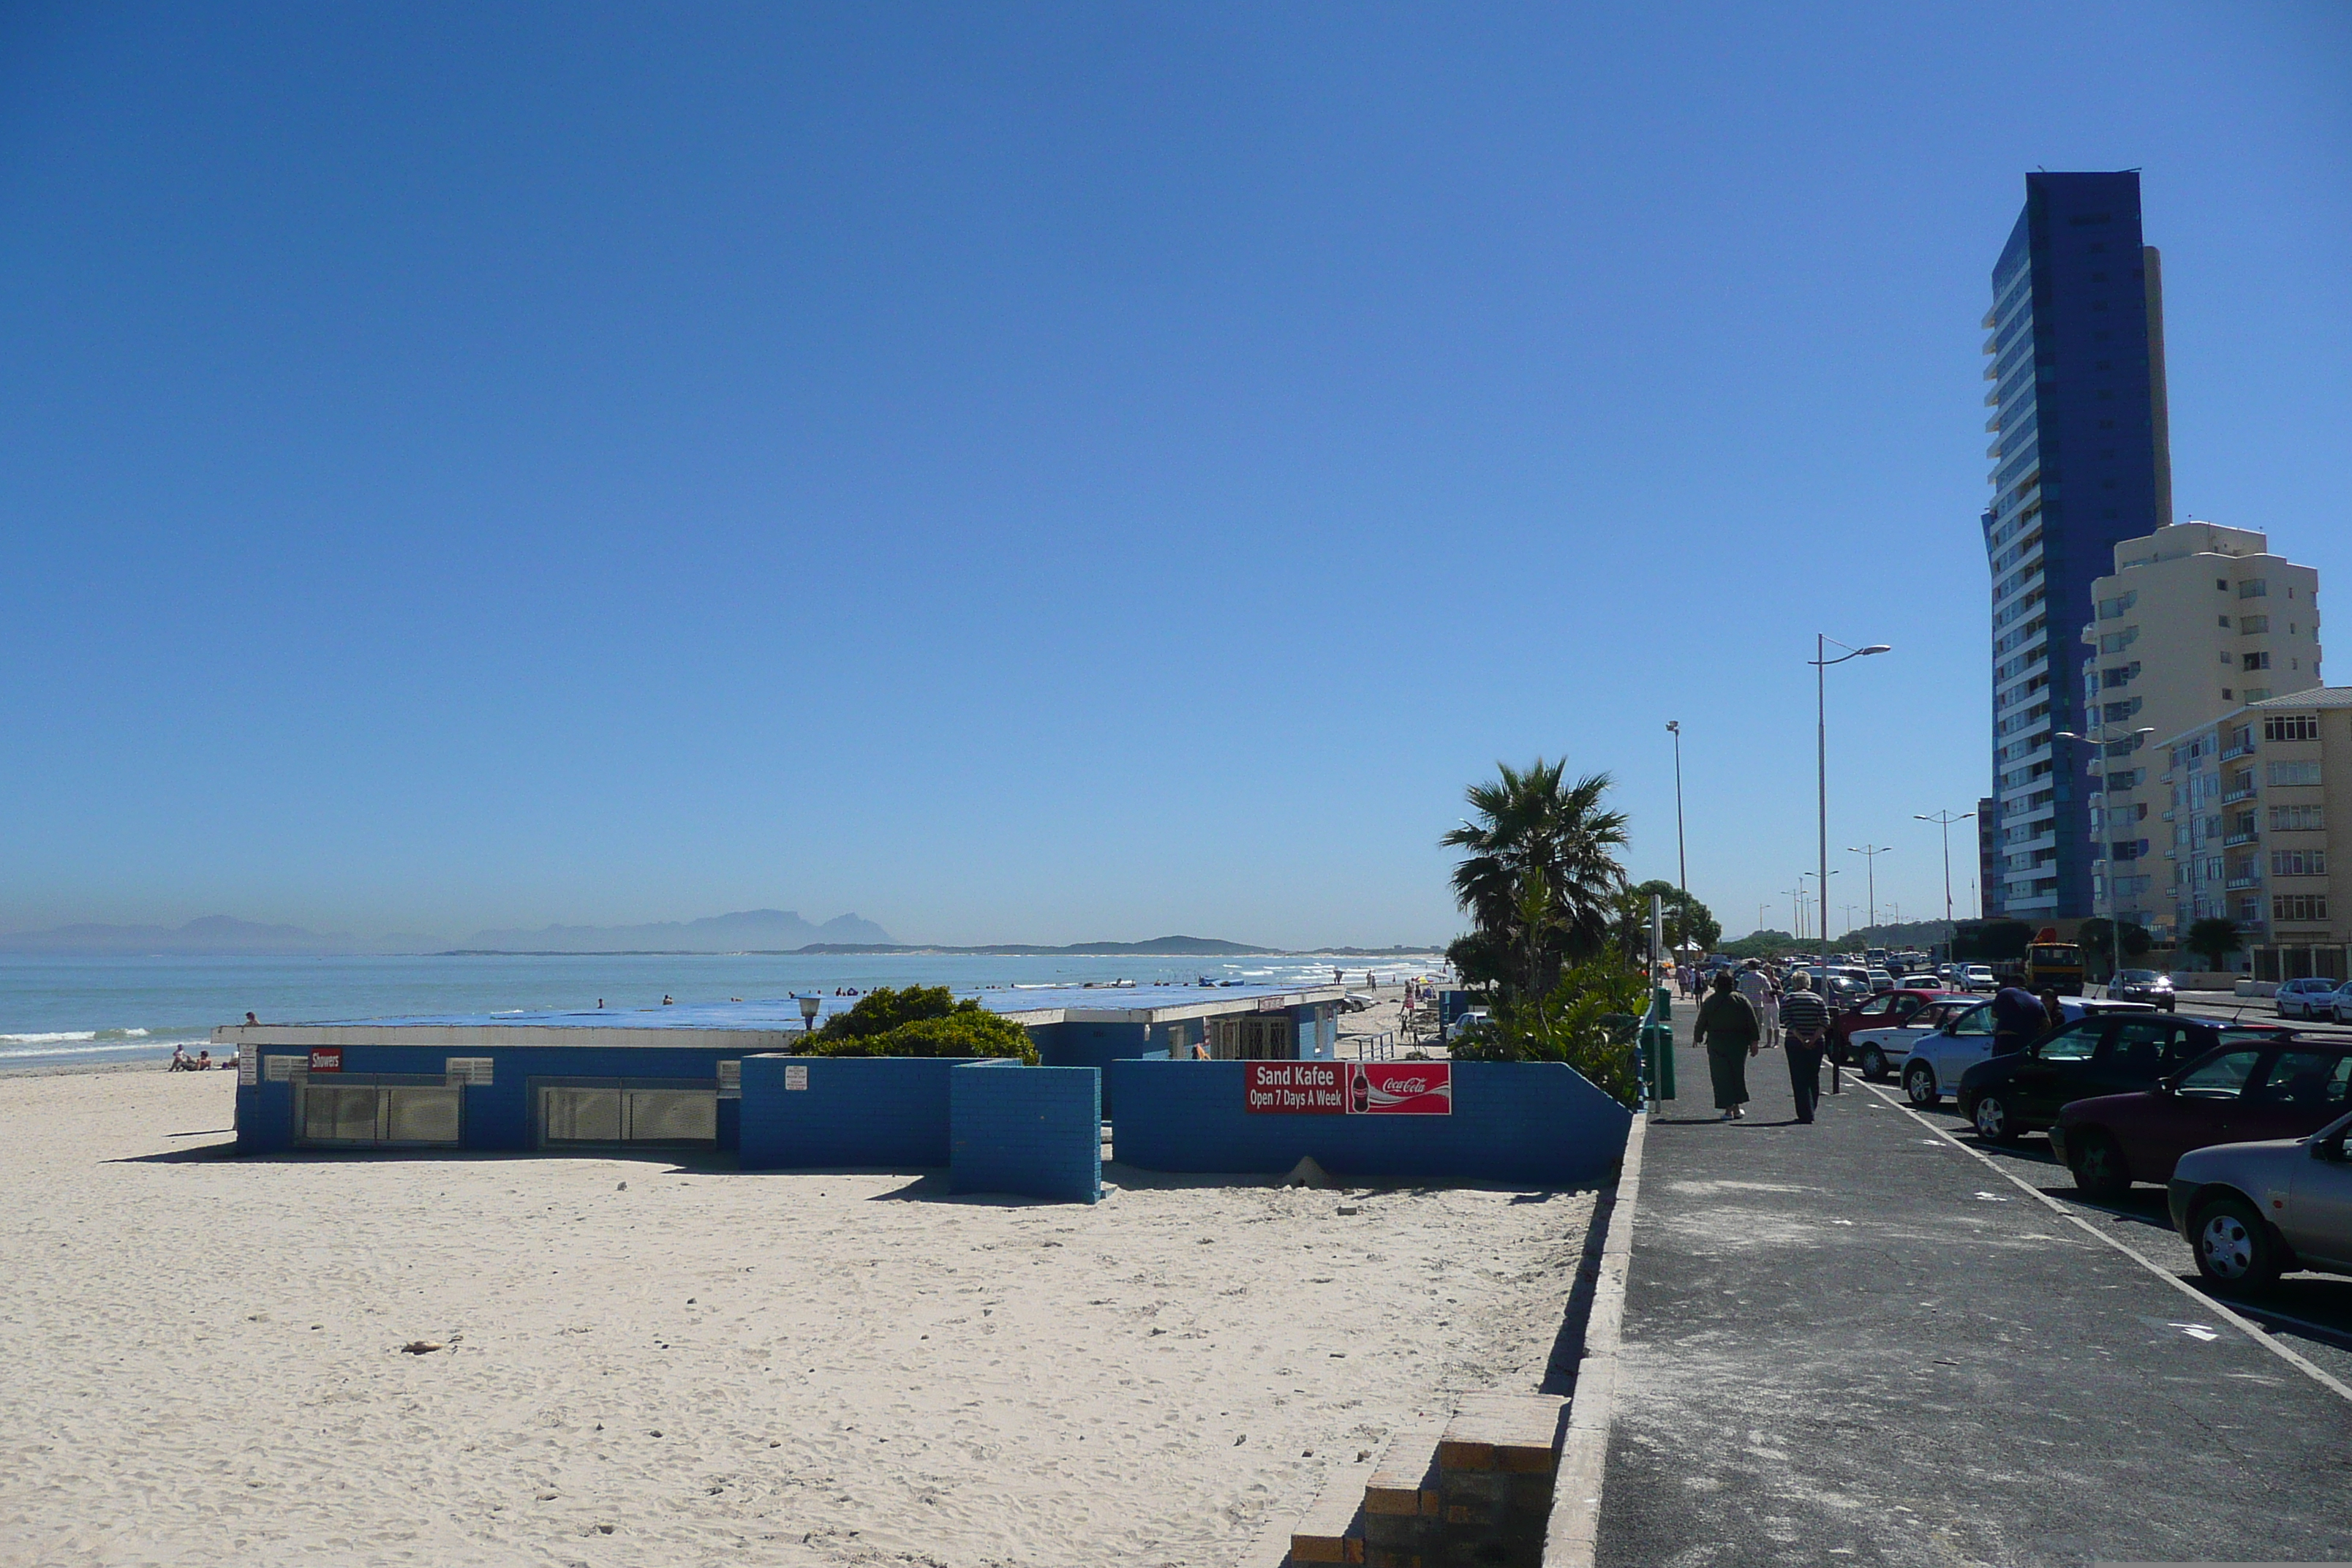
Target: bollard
<point>1658,1046</point>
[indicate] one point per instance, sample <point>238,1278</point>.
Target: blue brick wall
<point>1535,1122</point>
<point>856,1111</point>
<point>1032,1131</point>
<point>1093,1046</point>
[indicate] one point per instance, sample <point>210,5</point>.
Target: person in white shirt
<point>1757,986</point>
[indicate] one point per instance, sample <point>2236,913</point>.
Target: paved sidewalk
<point>1852,1342</point>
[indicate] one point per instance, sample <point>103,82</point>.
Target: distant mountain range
<point>746,930</point>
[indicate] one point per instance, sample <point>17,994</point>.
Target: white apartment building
<point>2258,798</point>
<point>2196,620</point>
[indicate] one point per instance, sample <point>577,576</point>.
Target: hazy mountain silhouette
<point>746,930</point>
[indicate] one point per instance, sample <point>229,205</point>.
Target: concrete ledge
<point>1574,1530</point>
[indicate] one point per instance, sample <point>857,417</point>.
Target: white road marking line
<point>2252,1329</point>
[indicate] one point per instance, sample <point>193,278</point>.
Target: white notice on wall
<point>248,1065</point>
<point>280,1070</point>
<point>731,1080</point>
<point>796,1074</point>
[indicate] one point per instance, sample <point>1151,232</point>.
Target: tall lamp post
<point>1944,819</point>
<point>1682,862</point>
<point>1872,852</point>
<point>1820,662</point>
<point>2106,890</point>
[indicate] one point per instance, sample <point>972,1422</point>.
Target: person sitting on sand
<point>179,1060</point>
<point>204,1059</point>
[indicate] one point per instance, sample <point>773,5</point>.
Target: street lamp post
<point>1945,820</point>
<point>1682,861</point>
<point>1871,852</point>
<point>1820,663</point>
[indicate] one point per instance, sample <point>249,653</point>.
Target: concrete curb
<point>1574,1532</point>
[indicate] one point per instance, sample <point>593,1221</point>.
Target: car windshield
<point>2135,976</point>
<point>2217,1077</point>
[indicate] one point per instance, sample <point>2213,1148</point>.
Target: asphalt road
<point>1853,1343</point>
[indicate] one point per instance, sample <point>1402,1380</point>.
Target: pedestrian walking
<point>1804,1033</point>
<point>1757,986</point>
<point>1727,1027</point>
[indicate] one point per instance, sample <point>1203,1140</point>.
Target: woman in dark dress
<point>1727,1027</point>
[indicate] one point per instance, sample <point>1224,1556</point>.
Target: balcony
<point>2236,795</point>
<point>2236,883</point>
<point>2237,751</point>
<point>2237,838</point>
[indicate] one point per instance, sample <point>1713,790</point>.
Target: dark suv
<point>2023,1091</point>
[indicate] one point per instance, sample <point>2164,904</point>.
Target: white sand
<point>203,1363</point>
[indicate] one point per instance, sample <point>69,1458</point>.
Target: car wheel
<point>1873,1064</point>
<point>2097,1163</point>
<point>1995,1124</point>
<point>1919,1085</point>
<point>2234,1249</point>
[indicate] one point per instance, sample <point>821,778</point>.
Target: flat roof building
<point>2080,460</point>
<point>2195,621</point>
<point>2259,797</point>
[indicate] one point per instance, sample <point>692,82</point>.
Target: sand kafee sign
<point>1347,1089</point>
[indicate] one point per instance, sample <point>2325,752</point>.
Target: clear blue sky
<point>1043,473</point>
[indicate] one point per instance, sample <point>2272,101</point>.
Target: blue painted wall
<point>856,1111</point>
<point>1093,1046</point>
<point>1031,1131</point>
<point>1535,1123</point>
<point>498,1114</point>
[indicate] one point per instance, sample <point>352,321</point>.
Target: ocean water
<point>66,1010</point>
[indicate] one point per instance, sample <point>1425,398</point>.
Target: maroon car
<point>1883,1011</point>
<point>2241,1093</point>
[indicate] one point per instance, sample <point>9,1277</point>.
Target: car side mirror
<point>2329,1149</point>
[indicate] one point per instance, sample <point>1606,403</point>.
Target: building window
<point>2252,624</point>
<point>2256,661</point>
<point>2297,819</point>
<point>2292,727</point>
<point>2254,588</point>
<point>2298,862</point>
<point>2299,906</point>
<point>2294,773</point>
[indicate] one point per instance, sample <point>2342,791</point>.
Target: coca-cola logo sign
<point>1401,1089</point>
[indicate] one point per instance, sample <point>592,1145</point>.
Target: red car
<point>1883,1011</point>
<point>2241,1093</point>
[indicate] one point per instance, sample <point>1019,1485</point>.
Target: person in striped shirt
<point>1805,1033</point>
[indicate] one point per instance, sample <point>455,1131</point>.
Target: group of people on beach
<point>200,1062</point>
<point>1743,1014</point>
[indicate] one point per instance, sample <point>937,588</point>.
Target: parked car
<point>1879,979</point>
<point>1978,978</point>
<point>1883,1011</point>
<point>1469,1023</point>
<point>2236,1094</point>
<point>1883,1048</point>
<point>2251,1210</point>
<point>2310,997</point>
<point>1921,982</point>
<point>2142,985</point>
<point>2102,1053</point>
<point>1937,1061</point>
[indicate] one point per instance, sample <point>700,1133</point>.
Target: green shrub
<point>1587,1021</point>
<point>920,1021</point>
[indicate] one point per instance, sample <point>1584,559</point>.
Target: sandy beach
<point>648,1365</point>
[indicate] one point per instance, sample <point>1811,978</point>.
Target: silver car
<point>2251,1210</point>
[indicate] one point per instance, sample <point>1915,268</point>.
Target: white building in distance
<point>2196,621</point>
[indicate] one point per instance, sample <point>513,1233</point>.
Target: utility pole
<point>1871,852</point>
<point>1682,861</point>
<point>1945,820</point>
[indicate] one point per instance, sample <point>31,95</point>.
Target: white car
<point>1920,982</point>
<point>1476,1018</point>
<point>2312,997</point>
<point>1978,978</point>
<point>1883,1051</point>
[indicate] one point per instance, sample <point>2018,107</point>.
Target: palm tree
<point>1532,830</point>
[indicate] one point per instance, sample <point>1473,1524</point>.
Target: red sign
<point>1295,1089</point>
<point>327,1058</point>
<point>1401,1089</point>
